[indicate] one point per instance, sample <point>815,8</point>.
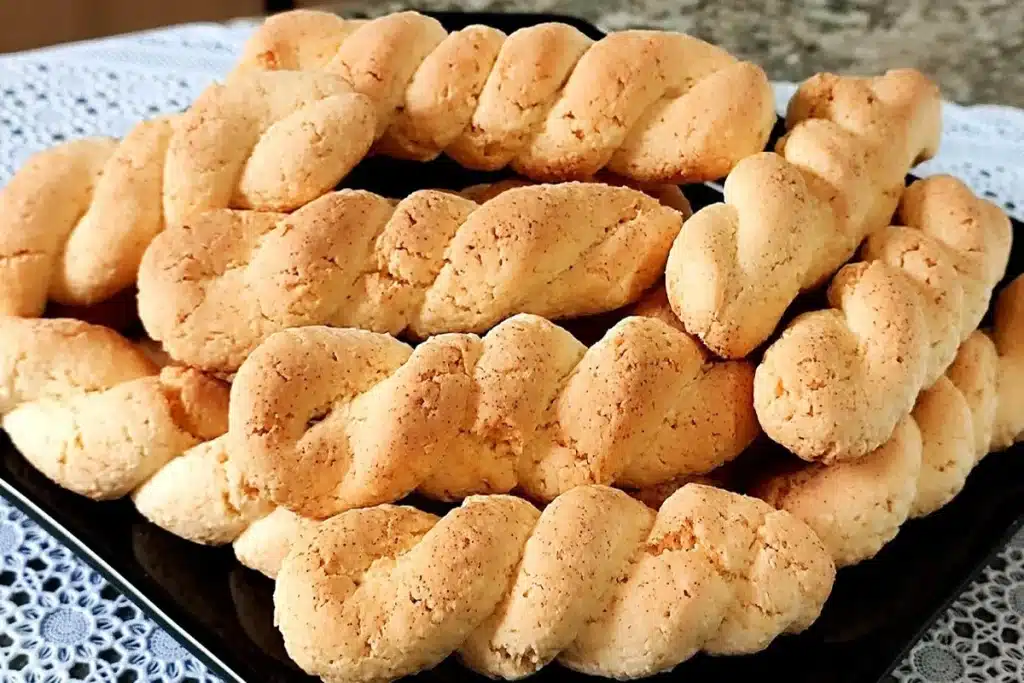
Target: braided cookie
<point>76,218</point>
<point>266,141</point>
<point>648,105</point>
<point>857,506</point>
<point>791,219</point>
<point>323,420</point>
<point>837,381</point>
<point>202,497</point>
<point>213,289</point>
<point>1008,334</point>
<point>91,412</point>
<point>598,580</point>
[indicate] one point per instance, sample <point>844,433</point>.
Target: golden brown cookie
<point>76,218</point>
<point>271,141</point>
<point>975,372</point>
<point>213,289</point>
<point>791,218</point>
<point>90,411</point>
<point>857,506</point>
<point>837,381</point>
<point>325,420</point>
<point>947,446</point>
<point>1008,335</point>
<point>59,358</point>
<point>650,105</point>
<point>598,581</point>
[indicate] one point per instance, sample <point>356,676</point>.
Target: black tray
<point>223,612</point>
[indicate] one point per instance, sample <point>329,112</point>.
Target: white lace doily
<point>62,621</point>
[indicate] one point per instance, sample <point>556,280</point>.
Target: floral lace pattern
<point>980,638</point>
<point>61,621</point>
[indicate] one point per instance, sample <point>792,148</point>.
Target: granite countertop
<point>974,48</point>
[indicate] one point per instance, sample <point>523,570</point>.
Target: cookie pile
<point>315,355</point>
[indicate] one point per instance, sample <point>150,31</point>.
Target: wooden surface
<point>26,24</point>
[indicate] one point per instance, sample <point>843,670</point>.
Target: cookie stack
<point>315,355</point>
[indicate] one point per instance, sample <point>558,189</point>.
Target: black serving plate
<point>224,613</point>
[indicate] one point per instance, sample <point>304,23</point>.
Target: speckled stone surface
<point>974,48</point>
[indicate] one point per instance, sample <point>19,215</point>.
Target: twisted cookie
<point>217,286</point>
<point>791,219</point>
<point>837,381</point>
<point>598,580</point>
<point>202,497</point>
<point>91,412</point>
<point>76,218</point>
<point>1008,334</point>
<point>323,420</point>
<point>857,506</point>
<point>266,141</point>
<point>648,105</point>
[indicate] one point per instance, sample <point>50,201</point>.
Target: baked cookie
<point>99,422</point>
<point>857,506</point>
<point>75,219</point>
<point>213,289</point>
<point>791,218</point>
<point>597,581</point>
<point>975,373</point>
<point>324,419</point>
<point>837,381</point>
<point>201,496</point>
<point>265,141</point>
<point>1008,334</point>
<point>648,105</point>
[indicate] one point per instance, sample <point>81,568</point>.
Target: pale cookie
<point>266,541</point>
<point>211,291</point>
<point>324,419</point>
<point>858,506</point>
<point>832,387</point>
<point>791,219</point>
<point>106,443</point>
<point>975,372</point>
<point>271,141</point>
<point>570,563</point>
<point>58,358</point>
<point>376,594</point>
<point>39,208</point>
<point>855,507</point>
<point>650,105</point>
<point>1008,334</point>
<point>738,265</point>
<point>201,496</point>
<point>76,218</point>
<point>379,593</point>
<point>975,230</point>
<point>838,380</point>
<point>947,446</point>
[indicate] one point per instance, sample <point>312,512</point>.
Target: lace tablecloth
<point>62,621</point>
